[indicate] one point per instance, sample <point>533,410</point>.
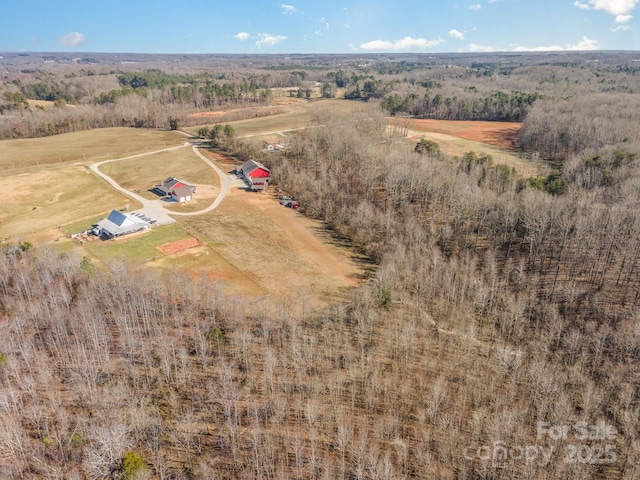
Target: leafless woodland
<point>500,307</point>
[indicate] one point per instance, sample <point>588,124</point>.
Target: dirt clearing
<point>293,258</point>
<point>499,134</point>
<point>179,246</point>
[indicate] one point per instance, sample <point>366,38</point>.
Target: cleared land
<point>459,137</point>
<point>254,244</point>
<point>35,204</point>
<point>499,134</point>
<point>82,147</point>
<point>290,256</point>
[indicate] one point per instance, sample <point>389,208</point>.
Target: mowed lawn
<point>140,174</point>
<point>38,201</point>
<point>198,262</point>
<point>85,147</point>
<point>139,247</point>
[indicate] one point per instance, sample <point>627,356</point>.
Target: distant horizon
<point>350,54</point>
<point>309,27</point>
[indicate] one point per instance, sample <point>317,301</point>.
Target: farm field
<point>296,115</point>
<point>37,203</point>
<point>489,138</point>
<point>81,147</point>
<point>454,137</point>
<point>499,134</point>
<point>254,244</point>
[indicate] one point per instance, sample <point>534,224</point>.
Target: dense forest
<point>503,310</point>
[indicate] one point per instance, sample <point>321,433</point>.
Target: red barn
<point>256,175</point>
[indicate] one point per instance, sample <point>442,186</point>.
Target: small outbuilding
<point>119,223</point>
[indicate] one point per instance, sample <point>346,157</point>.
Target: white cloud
<point>242,36</point>
<point>475,6</point>
<point>266,39</point>
<point>613,7</point>
<point>288,9</point>
<point>456,34</point>
<point>551,48</point>
<point>620,28</point>
<point>473,47</point>
<point>584,44</point>
<point>406,43</point>
<point>320,31</point>
<point>72,39</point>
<point>623,18</point>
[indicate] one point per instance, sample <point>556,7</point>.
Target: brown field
<point>39,202</point>
<point>81,147</point>
<point>456,138</point>
<point>499,134</point>
<point>290,256</point>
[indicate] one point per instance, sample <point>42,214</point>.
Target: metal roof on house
<point>171,183</point>
<point>251,165</point>
<point>118,223</point>
<point>180,192</point>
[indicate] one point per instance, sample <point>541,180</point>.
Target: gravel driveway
<point>155,208</point>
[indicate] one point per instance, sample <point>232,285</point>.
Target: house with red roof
<point>178,190</point>
<point>256,175</point>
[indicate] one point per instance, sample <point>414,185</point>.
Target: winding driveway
<point>156,208</point>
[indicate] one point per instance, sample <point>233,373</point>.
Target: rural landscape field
<point>439,279</point>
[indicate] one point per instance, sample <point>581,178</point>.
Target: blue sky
<point>322,26</point>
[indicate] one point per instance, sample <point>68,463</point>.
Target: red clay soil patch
<point>500,134</point>
<point>179,246</point>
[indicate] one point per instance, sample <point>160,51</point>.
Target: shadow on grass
<point>366,265</point>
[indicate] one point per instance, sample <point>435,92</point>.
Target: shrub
<point>131,464</point>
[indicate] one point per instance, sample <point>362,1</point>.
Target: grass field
<point>299,114</point>
<point>53,197</point>
<point>201,261</point>
<point>137,248</point>
<point>141,173</point>
<point>251,242</point>
<point>288,254</point>
<point>84,147</point>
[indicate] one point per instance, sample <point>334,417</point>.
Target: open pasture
<point>151,249</point>
<point>53,197</point>
<point>81,147</point>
